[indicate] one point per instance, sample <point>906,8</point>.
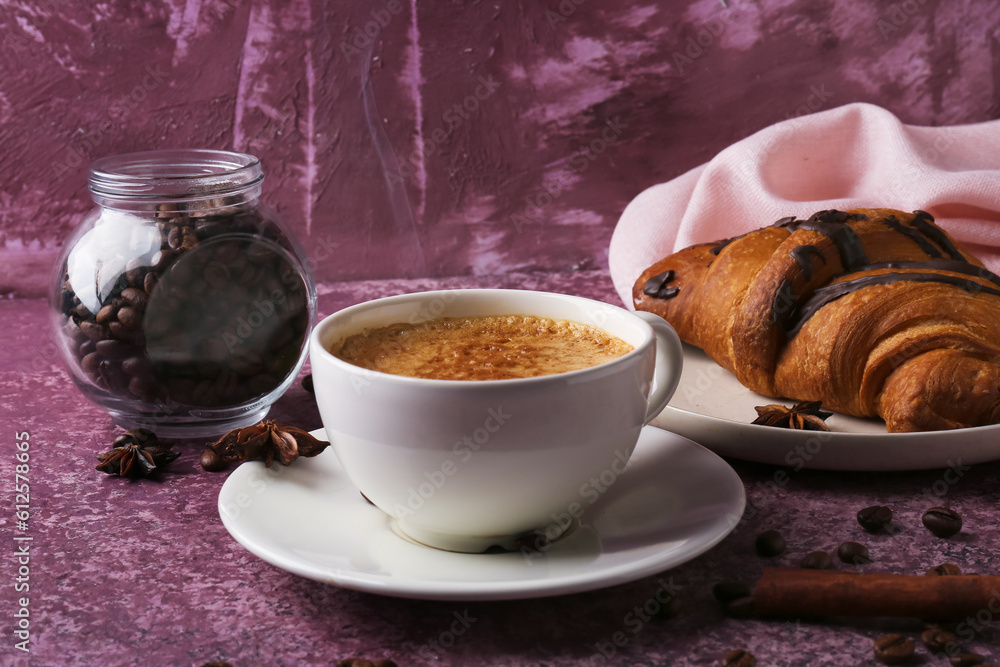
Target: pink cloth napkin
<point>858,155</point>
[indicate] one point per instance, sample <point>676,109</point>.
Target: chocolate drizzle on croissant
<point>915,234</point>
<point>804,256</point>
<point>921,220</point>
<point>831,224</point>
<point>825,295</point>
<point>853,258</point>
<point>658,286</point>
<point>875,312</point>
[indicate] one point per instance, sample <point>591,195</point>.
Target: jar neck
<point>185,178</point>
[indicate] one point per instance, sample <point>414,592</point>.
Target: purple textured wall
<point>538,121</point>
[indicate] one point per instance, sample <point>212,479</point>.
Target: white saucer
<point>675,501</point>
<point>712,407</point>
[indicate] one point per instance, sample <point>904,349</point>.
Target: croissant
<point>873,312</point>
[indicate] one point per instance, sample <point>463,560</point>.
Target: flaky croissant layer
<point>874,312</point>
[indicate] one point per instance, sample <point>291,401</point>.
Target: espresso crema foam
<point>495,347</point>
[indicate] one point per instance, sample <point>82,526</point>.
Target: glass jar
<point>181,304</point>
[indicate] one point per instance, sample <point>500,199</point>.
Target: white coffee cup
<point>466,465</point>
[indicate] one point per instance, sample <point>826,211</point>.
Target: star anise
<point>805,416</point>
<point>265,442</point>
<point>137,453</point>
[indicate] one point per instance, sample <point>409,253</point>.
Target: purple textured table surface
<point>125,573</point>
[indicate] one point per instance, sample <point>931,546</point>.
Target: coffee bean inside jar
<point>189,315</point>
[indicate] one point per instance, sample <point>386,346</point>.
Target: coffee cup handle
<point>669,361</point>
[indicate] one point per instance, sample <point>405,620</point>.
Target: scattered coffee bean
<point>727,591</point>
<point>739,657</point>
<point>875,518</point>
<point>936,639</point>
<point>945,570</point>
<point>770,543</point>
<point>966,660</point>
<point>739,608</point>
<point>942,521</point>
<point>854,553</point>
<point>212,462</point>
<point>817,560</point>
<point>893,649</point>
<point>307,383</point>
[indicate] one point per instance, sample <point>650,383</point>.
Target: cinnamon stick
<point>793,592</point>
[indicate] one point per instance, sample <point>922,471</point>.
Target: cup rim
<point>315,342</point>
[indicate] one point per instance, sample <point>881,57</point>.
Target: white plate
<point>674,501</point>
<point>712,407</point>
